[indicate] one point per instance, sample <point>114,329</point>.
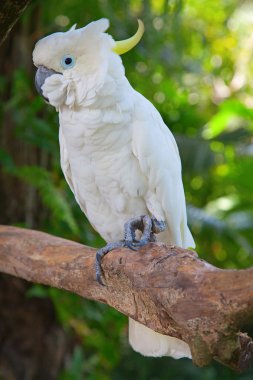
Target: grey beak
<point>41,75</point>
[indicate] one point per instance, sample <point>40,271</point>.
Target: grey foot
<point>149,226</point>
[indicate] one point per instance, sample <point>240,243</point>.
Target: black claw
<point>99,278</point>
<point>99,256</point>
<point>99,272</point>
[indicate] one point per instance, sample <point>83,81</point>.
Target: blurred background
<point>195,64</point>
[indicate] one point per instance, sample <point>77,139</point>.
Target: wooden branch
<point>10,11</point>
<point>168,289</point>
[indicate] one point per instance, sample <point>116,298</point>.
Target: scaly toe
<point>131,245</point>
<point>136,245</point>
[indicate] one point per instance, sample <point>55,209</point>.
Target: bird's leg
<point>144,223</point>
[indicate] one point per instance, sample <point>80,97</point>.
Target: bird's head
<point>72,66</point>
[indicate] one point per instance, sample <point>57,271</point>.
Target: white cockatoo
<point>119,158</point>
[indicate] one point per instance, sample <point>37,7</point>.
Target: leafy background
<point>194,63</point>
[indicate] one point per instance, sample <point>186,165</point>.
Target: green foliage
<point>51,195</point>
<point>99,328</point>
<point>194,63</point>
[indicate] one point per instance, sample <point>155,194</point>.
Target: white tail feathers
<point>150,343</point>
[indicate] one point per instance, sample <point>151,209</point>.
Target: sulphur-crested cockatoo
<point>118,157</point>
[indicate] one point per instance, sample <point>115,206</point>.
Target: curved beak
<point>42,74</point>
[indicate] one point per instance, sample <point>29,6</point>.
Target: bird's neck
<point>100,90</point>
<point>109,107</point>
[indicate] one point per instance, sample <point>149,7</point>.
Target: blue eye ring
<point>68,61</point>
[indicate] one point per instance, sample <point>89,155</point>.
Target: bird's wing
<point>66,168</point>
<point>156,150</point>
<point>65,164</point>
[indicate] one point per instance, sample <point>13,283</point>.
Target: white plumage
<point>117,155</point>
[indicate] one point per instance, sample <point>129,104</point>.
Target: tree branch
<point>168,289</point>
<point>10,12</point>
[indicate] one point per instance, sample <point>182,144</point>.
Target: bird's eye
<point>68,61</point>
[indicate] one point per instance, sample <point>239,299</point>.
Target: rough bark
<point>10,11</point>
<point>168,289</point>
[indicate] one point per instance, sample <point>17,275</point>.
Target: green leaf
<point>229,117</point>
